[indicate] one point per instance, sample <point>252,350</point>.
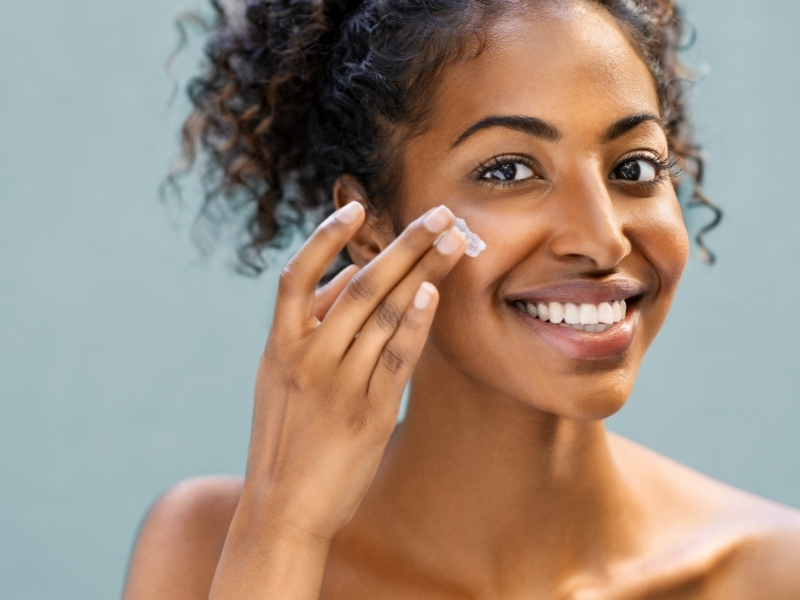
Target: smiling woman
<point>554,129</point>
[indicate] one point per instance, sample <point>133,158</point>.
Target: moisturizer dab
<point>475,245</point>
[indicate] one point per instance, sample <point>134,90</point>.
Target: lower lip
<point>583,345</point>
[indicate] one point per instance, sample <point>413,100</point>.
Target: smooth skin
<point>502,482</point>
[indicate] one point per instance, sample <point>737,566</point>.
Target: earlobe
<point>368,241</point>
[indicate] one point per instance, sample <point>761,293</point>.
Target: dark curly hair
<point>297,93</point>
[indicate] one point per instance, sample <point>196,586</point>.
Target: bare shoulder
<point>737,544</point>
<point>766,562</point>
<point>181,540</point>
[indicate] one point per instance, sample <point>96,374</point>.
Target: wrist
<point>279,519</point>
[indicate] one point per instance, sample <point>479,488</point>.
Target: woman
<point>553,128</point>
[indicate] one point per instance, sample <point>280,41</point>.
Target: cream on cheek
<point>475,245</point>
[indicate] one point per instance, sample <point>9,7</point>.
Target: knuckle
<point>362,286</point>
<point>287,279</point>
<point>297,383</point>
<point>413,322</point>
<point>328,229</point>
<point>393,359</point>
<point>388,315</point>
<point>413,241</point>
<point>360,417</point>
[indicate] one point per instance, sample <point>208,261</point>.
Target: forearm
<point>261,562</point>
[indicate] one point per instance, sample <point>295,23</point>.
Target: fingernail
<point>424,295</point>
<point>438,219</point>
<point>450,241</point>
<point>349,213</point>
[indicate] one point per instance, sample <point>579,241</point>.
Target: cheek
<point>464,321</point>
<point>660,235</point>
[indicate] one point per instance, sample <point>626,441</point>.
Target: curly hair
<point>296,93</point>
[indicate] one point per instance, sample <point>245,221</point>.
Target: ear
<point>374,235</point>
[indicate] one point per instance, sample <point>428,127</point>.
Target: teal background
<point>127,362</point>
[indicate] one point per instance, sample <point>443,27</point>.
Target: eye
<point>636,169</point>
<point>508,171</point>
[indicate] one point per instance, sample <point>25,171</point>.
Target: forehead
<point>569,64</point>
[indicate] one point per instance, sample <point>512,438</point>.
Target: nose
<point>586,225</point>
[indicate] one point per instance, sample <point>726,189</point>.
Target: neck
<point>480,484</point>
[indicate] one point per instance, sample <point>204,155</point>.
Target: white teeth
<point>616,311</point>
<point>588,314</point>
<point>571,314</point>
<point>544,311</point>
<point>556,312</point>
<point>605,314</point>
<point>592,318</point>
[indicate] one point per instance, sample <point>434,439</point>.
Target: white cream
<point>475,245</point>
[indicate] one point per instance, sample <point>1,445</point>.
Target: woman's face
<point>550,146</point>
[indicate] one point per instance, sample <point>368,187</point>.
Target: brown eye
<point>635,169</point>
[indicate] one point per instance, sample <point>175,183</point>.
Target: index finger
<point>294,306</point>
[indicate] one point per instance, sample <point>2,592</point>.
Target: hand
<point>335,366</point>
<point>327,397</point>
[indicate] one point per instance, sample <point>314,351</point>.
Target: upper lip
<point>581,292</point>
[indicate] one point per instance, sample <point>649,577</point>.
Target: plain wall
<point>127,363</point>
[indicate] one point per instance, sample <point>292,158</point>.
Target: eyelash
<point>667,169</point>
<point>497,160</point>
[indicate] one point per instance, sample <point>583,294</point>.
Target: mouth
<point>583,321</point>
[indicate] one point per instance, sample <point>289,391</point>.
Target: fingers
<point>401,352</point>
<point>365,291</point>
<point>327,294</point>
<point>385,320</point>
<point>294,307</point>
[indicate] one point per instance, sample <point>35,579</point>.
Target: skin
<point>502,481</point>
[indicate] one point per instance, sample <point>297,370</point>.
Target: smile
<point>583,319</point>
<point>590,318</point>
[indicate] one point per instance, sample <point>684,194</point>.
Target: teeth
<point>591,318</point>
<point>605,314</point>
<point>588,314</point>
<point>556,312</point>
<point>544,312</point>
<point>616,311</point>
<point>571,314</point>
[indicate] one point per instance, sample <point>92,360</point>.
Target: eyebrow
<point>543,130</point>
<point>623,126</point>
<point>530,125</point>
